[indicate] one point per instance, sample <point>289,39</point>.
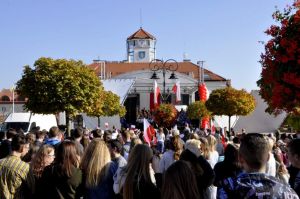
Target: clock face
<point>142,54</point>
<point>142,43</point>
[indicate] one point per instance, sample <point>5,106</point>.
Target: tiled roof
<point>117,68</point>
<point>141,34</point>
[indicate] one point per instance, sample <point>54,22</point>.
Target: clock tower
<point>141,47</point>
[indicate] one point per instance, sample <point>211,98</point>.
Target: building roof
<point>141,34</point>
<point>186,67</point>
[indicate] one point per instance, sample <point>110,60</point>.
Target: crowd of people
<point>120,164</point>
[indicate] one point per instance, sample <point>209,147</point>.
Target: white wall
<point>145,101</point>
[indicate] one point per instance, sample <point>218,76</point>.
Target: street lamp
<point>163,66</point>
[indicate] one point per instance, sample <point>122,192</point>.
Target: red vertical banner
<point>152,105</point>
<point>203,95</point>
<point>151,101</point>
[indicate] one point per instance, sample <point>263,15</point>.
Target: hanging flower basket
<point>165,115</point>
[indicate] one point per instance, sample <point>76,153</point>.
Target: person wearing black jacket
<point>229,167</point>
<point>201,168</point>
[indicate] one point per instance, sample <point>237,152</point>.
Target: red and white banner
<point>176,90</point>
<point>156,92</point>
<point>149,132</point>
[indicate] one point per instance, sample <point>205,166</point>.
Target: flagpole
<point>13,98</point>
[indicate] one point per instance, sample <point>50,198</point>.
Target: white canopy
<point>120,87</point>
<point>259,121</point>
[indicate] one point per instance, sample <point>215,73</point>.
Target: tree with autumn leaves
<point>229,101</point>
<point>60,85</point>
<point>280,77</point>
<point>108,104</point>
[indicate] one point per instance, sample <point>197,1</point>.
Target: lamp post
<point>163,66</point>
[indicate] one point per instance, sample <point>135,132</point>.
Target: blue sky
<point>224,33</point>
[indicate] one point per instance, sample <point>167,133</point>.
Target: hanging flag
<point>149,132</point>
<point>213,129</point>
<point>156,92</point>
<point>176,90</point>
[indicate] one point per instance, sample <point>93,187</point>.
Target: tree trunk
<point>68,130</point>
<point>229,124</point>
<point>98,121</point>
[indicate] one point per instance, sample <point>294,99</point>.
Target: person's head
<point>175,145</point>
<point>97,133</point>
<point>31,137</point>
<point>134,141</point>
<point>53,132</point>
<point>20,145</point>
<point>254,152</point>
<point>107,136</point>
<point>204,147</point>
<point>231,154</point>
<point>193,146</point>
<point>175,132</point>
<point>115,148</point>
<point>132,134</point>
<point>11,133</point>
<point>179,182</point>
<point>33,149</point>
<point>294,152</point>
<point>95,162</point>
<point>212,142</point>
<point>138,165</point>
<point>66,157</point>
<point>44,157</point>
<point>236,140</point>
<point>40,135</point>
<point>127,135</point>
<point>78,133</point>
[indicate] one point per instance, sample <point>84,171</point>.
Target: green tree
<point>58,85</point>
<point>197,110</point>
<point>229,101</point>
<point>107,105</point>
<point>293,121</point>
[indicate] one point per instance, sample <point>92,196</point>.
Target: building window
<point>5,98</point>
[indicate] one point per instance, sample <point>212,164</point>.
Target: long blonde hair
<point>137,168</point>
<point>95,162</point>
<point>204,147</point>
<point>212,142</point>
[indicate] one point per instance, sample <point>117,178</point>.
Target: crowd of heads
<point>176,164</point>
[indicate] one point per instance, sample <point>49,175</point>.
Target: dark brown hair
<point>294,146</point>
<point>255,150</point>
<point>137,169</point>
<point>179,182</point>
<point>66,158</point>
